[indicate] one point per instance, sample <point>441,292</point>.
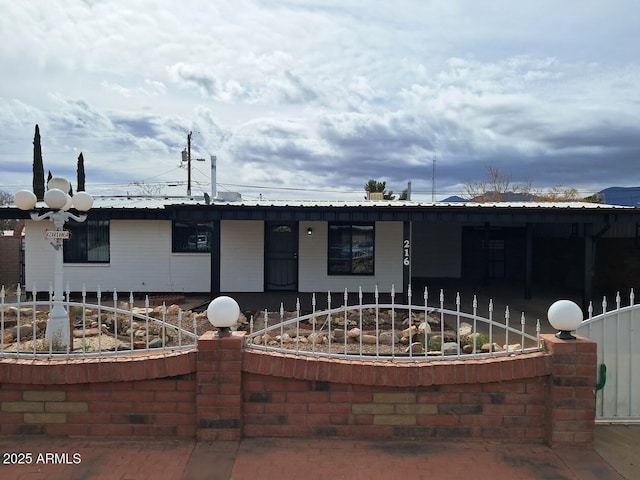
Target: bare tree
<point>149,189</point>
<point>495,186</point>
<point>558,193</point>
<point>498,187</point>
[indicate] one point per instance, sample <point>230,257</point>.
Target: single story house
<point>190,245</point>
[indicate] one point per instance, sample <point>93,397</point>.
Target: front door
<point>281,256</point>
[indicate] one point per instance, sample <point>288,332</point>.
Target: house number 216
<point>405,259</point>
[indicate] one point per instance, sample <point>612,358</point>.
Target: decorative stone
<point>513,347</point>
<point>354,333</point>
<point>387,338</point>
<point>88,332</point>
<point>369,339</point>
<point>338,334</point>
<point>416,348</point>
<point>424,327</point>
<point>465,330</point>
<point>451,348</point>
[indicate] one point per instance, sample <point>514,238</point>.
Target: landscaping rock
<point>451,348</point>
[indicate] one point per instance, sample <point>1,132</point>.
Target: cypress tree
<point>38,168</point>
<point>80,173</point>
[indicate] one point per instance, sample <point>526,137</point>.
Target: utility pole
<point>189,164</point>
<point>433,179</point>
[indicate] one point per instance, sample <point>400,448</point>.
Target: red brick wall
<point>500,398</point>
<point>224,391</point>
<point>150,395</point>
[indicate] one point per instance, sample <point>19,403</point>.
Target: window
<point>351,249</point>
<point>88,243</point>
<point>193,236</point>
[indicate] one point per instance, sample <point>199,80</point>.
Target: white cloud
<point>323,94</point>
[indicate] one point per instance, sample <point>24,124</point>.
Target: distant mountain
<point>453,199</point>
<point>505,197</point>
<point>627,196</point>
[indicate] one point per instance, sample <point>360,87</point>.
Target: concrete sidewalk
<point>311,459</point>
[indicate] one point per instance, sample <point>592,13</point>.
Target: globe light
<point>82,201</point>
<point>59,183</point>
<point>69,203</point>
<point>565,316</point>
<point>55,198</point>
<point>25,200</point>
<point>223,312</point>
<point>59,201</point>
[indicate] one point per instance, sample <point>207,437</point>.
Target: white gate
<point>617,333</point>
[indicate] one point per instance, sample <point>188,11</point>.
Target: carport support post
<point>219,386</point>
<point>406,257</point>
<point>588,267</point>
<point>528,261</point>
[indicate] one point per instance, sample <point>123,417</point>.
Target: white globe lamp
<point>25,200</point>
<point>69,203</point>
<point>55,198</point>
<point>223,313</point>
<point>82,201</point>
<point>59,183</point>
<point>565,316</point>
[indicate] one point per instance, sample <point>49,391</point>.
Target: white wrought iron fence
<point>392,331</point>
<point>617,333</point>
<point>98,328</point>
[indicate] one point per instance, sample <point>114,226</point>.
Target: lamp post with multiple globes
<point>57,198</point>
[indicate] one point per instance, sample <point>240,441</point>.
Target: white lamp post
<point>58,199</point>
<point>565,316</point>
<point>223,312</point>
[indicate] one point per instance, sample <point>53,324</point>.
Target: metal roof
<point>197,208</point>
<point>133,202</point>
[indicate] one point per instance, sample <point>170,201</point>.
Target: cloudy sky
<point>310,98</point>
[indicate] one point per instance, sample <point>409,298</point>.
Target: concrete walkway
<point>311,459</point>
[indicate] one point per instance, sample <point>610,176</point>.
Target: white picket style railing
<point>392,331</point>
<point>116,330</point>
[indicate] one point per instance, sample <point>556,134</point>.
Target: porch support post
<point>406,257</point>
<point>485,254</point>
<point>587,288</point>
<point>528,274</point>
<point>215,260</point>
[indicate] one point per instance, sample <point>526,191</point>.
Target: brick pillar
<point>219,386</point>
<point>571,398</point>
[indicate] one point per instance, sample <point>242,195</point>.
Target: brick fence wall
<point>224,391</point>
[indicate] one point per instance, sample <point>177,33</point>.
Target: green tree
<point>38,168</point>
<point>374,186</point>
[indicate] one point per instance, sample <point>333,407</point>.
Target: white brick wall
<point>140,261</point>
<point>312,265</point>
<point>241,256</point>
